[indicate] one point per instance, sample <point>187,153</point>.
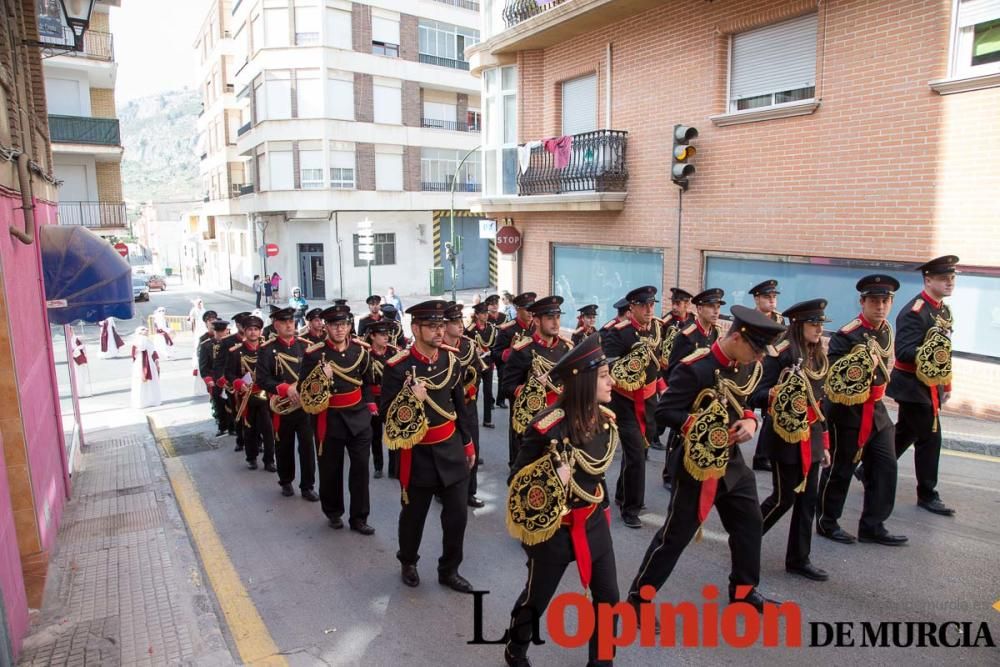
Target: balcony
<point>464,4</point>
<point>243,129</point>
<point>435,186</point>
<point>428,59</point>
<point>96,45</point>
<point>246,189</point>
<point>84,130</point>
<point>93,214</point>
<point>594,178</point>
<point>454,126</point>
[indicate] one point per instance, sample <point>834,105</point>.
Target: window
<point>437,170</point>
<point>385,250</point>
<point>257,32</point>
<point>276,27</point>
<point>579,105</point>
<point>278,94</point>
<point>342,170</point>
<point>384,49</point>
<point>281,172</point>
<point>388,103</point>
<point>601,274</point>
<point>500,128</point>
<point>444,44</point>
<point>259,108</point>
<point>473,120</point>
<point>240,45</point>
<point>306,26</point>
<point>976,48</point>
<point>389,171</point>
<point>338,28</point>
<point>340,97</point>
<point>385,36</point>
<point>773,65</point>
<point>311,169</point>
<point>308,93</point>
<point>439,114</point>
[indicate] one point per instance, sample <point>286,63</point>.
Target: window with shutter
<point>773,65</point>
<point>976,38</point>
<point>579,105</point>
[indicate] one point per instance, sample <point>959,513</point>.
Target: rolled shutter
<point>579,105</point>
<point>774,58</point>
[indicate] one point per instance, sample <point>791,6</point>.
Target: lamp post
<point>454,256</point>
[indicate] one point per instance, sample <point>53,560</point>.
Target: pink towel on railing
<point>561,148</point>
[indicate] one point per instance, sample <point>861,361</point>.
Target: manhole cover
<point>192,444</point>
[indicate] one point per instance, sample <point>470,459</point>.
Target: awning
<point>85,278</point>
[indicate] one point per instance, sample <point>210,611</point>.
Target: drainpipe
<point>27,237</point>
<point>607,96</point>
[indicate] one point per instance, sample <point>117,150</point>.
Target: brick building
<point>835,139</point>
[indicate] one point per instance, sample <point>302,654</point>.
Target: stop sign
<point>122,249</point>
<point>508,239</point>
<point>271,250</point>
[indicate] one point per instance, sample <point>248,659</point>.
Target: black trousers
<point>915,426</point>
<point>378,459</point>
<point>513,438</point>
<point>879,457</point>
<point>486,381</point>
<point>673,442</point>
<point>785,477</point>
<point>738,507</point>
<point>222,416</point>
<point>296,426</point>
<point>260,433</point>
<point>499,371</point>
<point>393,464</point>
<point>454,515</point>
<point>543,580</point>
<point>631,487</point>
<point>474,473</point>
<point>331,473</point>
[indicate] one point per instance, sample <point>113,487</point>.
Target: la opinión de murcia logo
<point>736,624</point>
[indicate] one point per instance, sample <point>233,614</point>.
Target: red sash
<point>912,368</point>
<point>639,397</point>
<point>576,521</point>
<point>868,413</point>
<point>336,401</point>
<point>434,435</point>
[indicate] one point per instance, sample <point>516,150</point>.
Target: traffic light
<point>680,156</point>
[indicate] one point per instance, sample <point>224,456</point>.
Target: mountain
<point>159,135</point>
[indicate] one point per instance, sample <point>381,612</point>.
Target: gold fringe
<point>530,537</point>
<point>405,434</point>
<point>802,487</point>
<point>701,474</point>
<point>934,426</point>
<point>857,456</point>
<point>848,399</point>
<point>791,437</point>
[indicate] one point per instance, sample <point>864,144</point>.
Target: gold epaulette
<point>689,329</point>
<point>918,305</point>
<point>781,347</point>
<point>267,342</point>
<point>355,339</point>
<point>695,356</point>
<point>506,325</point>
<point>851,326</point>
<point>610,323</point>
<point>521,344</point>
<point>236,347</point>
<point>622,324</point>
<point>548,421</point>
<point>315,346</point>
<point>609,413</point>
<point>449,348</point>
<point>403,354</point>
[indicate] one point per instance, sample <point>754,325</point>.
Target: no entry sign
<point>122,249</point>
<point>271,249</point>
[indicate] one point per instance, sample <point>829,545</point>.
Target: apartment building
<point>835,139</point>
<point>343,112</point>
<point>86,140</point>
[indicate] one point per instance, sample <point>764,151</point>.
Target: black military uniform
<point>370,318</point>
<point>548,444</point>
<point>670,326</point>
<point>712,472</point>
<point>768,287</point>
<point>279,366</point>
<point>392,317</point>
<point>496,318</point>
<point>695,336</point>
<point>919,381</point>
<point>484,336</point>
<point>434,449</point>
<point>345,427</point>
<point>530,358</point>
<point>379,358</point>
<point>860,427</point>
<point>507,334</point>
<point>472,366</point>
<point>797,443</point>
<point>583,331</point>
<point>636,371</point>
<point>314,314</point>
<point>208,350</point>
<point>258,432</point>
<point>268,333</point>
<point>219,373</point>
<point>621,308</point>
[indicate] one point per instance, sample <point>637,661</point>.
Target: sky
<point>154,45</point>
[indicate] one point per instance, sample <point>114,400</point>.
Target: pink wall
<point>15,600</point>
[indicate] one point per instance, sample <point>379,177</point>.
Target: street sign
<point>122,249</point>
<point>508,239</point>
<point>271,249</point>
<point>487,229</point>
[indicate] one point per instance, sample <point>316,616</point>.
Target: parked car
<point>140,289</point>
<point>157,282</point>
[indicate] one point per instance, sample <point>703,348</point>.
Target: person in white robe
<point>163,338</point>
<point>80,366</point>
<point>145,370</point>
<point>111,340</point>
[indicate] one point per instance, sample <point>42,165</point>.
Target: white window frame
<point>388,181</point>
<point>333,23</point>
<point>342,162</point>
<point>339,92</point>
<point>278,94</point>
<point>311,169</point>
<point>494,131</point>
<point>387,102</point>
<point>961,38</point>
<point>309,103</point>
<point>276,36</point>
<point>732,103</point>
<point>307,27</point>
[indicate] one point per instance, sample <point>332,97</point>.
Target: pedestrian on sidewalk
<point>269,298</point>
<point>393,300</point>
<point>258,289</point>
<point>145,371</point>
<point>275,287</point>
<point>194,317</point>
<point>111,340</point>
<point>299,304</point>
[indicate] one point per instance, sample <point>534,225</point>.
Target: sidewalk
<point>124,586</point>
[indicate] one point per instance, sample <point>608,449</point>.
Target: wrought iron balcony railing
<point>243,129</point>
<point>96,44</point>
<point>516,11</point>
<point>454,126</point>
<point>93,214</point>
<point>464,4</point>
<point>84,130</point>
<point>437,186</point>
<point>443,62</point>
<point>246,189</point>
<point>594,163</point>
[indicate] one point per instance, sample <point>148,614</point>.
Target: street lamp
<point>454,253</point>
<point>76,14</point>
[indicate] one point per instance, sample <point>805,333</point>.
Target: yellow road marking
<point>970,455</point>
<point>253,641</point>
<point>161,438</point>
<point>996,605</point>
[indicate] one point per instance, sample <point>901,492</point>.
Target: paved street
<point>335,598</point>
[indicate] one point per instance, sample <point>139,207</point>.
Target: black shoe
<point>638,615</point>
<point>754,599</point>
<point>221,432</point>
<point>657,445</point>
<point>668,484</point>
<point>286,490</point>
<point>252,465</point>
<point>838,534</point>
<point>859,473</point>
<point>310,495</point>
<point>455,582</point>
<point>515,660</point>
<point>231,431</point>
<point>762,465</point>
<point>270,467</point>
<point>378,474</point>
<point>336,523</point>
<point>476,502</point>
<point>362,527</point>
<point>631,520</point>
<point>410,576</point>
<point>501,405</point>
<point>935,505</point>
<point>809,571</point>
<point>489,425</point>
<point>238,448</point>
<point>883,538</point>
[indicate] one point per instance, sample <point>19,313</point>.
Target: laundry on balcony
<point>524,154</point>
<point>585,162</point>
<point>561,148</point>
